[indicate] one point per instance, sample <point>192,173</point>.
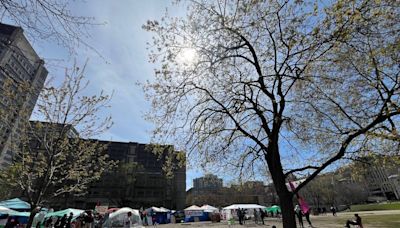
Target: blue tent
<point>16,204</point>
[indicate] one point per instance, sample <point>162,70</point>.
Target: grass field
<point>376,207</point>
<point>369,220</point>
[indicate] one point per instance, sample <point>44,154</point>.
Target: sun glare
<point>187,56</point>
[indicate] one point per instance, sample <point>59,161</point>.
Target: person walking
<point>307,215</point>
<point>299,215</point>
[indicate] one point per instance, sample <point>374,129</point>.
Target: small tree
<point>55,156</point>
<point>240,82</point>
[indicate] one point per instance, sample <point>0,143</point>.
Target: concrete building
<point>209,190</point>
<point>144,186</point>
<point>383,183</point>
<point>22,75</point>
<point>208,182</point>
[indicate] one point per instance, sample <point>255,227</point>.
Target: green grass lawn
<point>376,207</point>
<point>389,221</point>
<point>369,221</point>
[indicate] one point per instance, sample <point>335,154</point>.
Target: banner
<point>101,209</point>
<point>193,213</point>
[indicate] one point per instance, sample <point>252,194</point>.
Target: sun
<point>187,56</point>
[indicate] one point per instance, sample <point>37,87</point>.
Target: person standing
<point>243,216</point>
<point>255,212</point>
<point>299,215</point>
<point>239,214</point>
<point>128,220</point>
<point>63,221</point>
<point>262,215</point>
<point>69,220</point>
<point>333,210</point>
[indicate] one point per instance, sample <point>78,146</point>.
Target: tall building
<point>22,76</point>
<point>144,185</point>
<point>208,182</point>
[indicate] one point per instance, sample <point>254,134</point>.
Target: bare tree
<point>55,156</point>
<point>238,78</point>
<point>49,20</point>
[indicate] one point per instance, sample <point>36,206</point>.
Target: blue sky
<point>122,43</point>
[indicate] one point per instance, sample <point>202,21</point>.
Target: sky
<point>121,65</point>
<point>123,62</point>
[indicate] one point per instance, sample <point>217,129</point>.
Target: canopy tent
<point>273,209</point>
<point>5,210</point>
<point>75,212</point>
<point>158,209</point>
<point>208,208</point>
<point>165,209</point>
<point>116,219</point>
<point>160,214</point>
<point>15,204</point>
<point>193,208</point>
<point>243,206</point>
<point>199,213</point>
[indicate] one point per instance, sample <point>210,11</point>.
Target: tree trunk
<point>288,215</point>
<point>279,180</point>
<point>32,216</point>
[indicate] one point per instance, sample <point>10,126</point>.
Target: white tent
<point>193,208</point>
<point>208,208</point>
<point>243,206</point>
<point>228,212</point>
<point>5,210</point>
<point>165,209</point>
<point>159,209</point>
<point>117,218</point>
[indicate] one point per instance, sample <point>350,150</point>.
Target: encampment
<point>160,214</point>
<point>75,212</point>
<point>230,212</point>
<point>16,204</point>
<point>116,219</point>
<point>274,209</point>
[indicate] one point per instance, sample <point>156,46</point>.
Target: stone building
<point>22,76</point>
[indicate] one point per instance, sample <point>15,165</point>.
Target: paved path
<point>322,221</point>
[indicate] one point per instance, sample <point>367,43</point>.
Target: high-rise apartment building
<point>22,76</point>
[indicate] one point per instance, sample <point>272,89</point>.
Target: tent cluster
<point>115,217</point>
<point>18,210</point>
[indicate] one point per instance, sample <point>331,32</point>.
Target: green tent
<point>75,212</point>
<point>273,209</point>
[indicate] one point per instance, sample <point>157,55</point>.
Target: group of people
<point>300,213</point>
<point>258,214</point>
<point>57,222</point>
